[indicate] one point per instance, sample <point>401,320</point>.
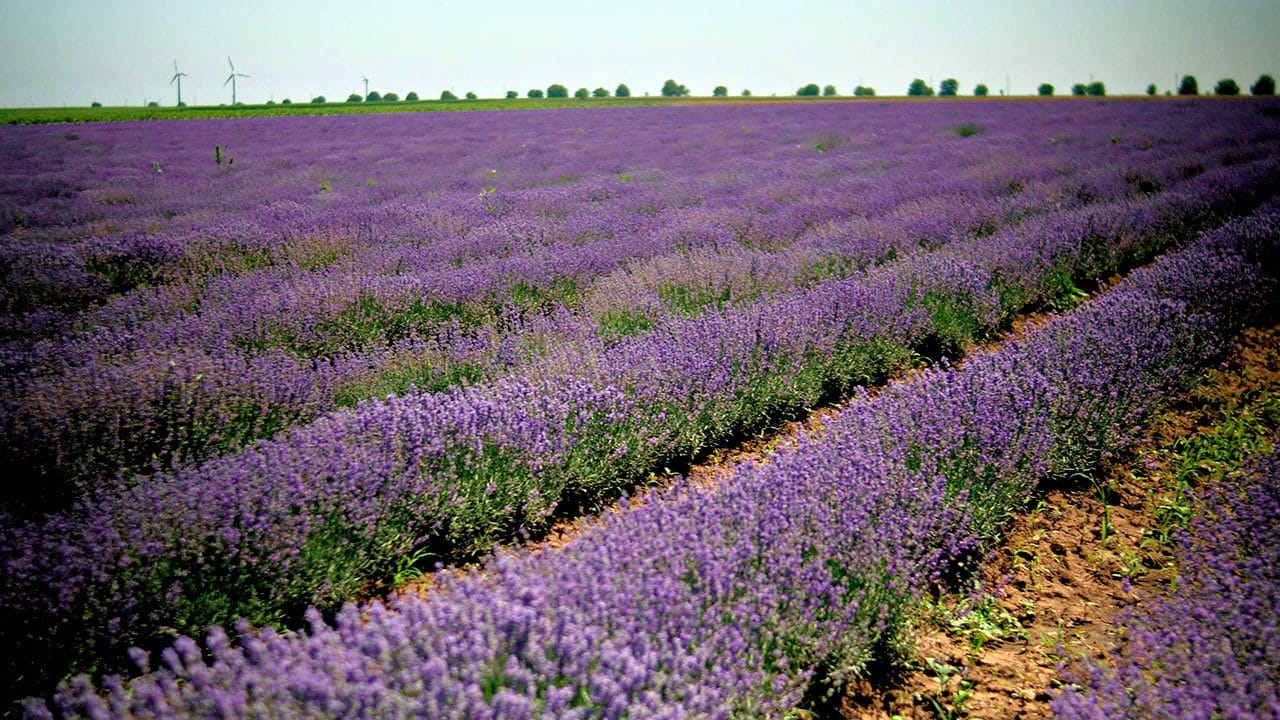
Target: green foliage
<point>949,88</point>
<point>582,93</point>
<point>153,103</point>
<point>1237,427</point>
<point>1188,85</point>
<point>391,97</point>
<point>1079,90</point>
<point>1045,90</point>
<point>862,91</point>
<point>470,95</point>
<point>600,92</point>
<point>810,90</point>
<point>286,101</point>
<point>556,90</point>
<point>1226,86</point>
<point>1266,85</point>
<point>512,95</point>
<point>980,90</point>
<point>353,98</point>
<point>954,320</point>
<point>622,91</point>
<point>447,95</point>
<point>1151,89</point>
<point>692,301</point>
<point>622,323</point>
<point>1096,89</point>
<point>535,94</point>
<point>720,91</point>
<point>398,378</point>
<point>918,88</point>
<point>318,100</point>
<point>967,129</point>
<point>95,103</point>
<point>671,88</point>
<point>373,96</point>
<point>746,92</point>
<point>829,91</point>
<point>411,96</point>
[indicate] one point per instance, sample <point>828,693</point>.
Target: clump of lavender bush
<point>1210,648</point>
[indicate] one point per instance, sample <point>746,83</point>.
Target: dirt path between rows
<point>1047,595</point>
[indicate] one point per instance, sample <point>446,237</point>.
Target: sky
<point>73,52</point>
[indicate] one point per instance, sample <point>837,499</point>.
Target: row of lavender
<point>747,599</point>
<point>327,511</point>
<point>273,318</point>
<point>1211,647</point>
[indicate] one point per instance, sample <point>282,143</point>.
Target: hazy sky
<point>70,52</point>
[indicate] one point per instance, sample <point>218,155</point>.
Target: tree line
<point>950,87</point>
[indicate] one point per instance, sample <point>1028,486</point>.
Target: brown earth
<point>1047,595</point>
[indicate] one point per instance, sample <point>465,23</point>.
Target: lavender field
<point>256,372</point>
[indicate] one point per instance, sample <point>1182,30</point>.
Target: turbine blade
<point>173,80</point>
<point>175,66</point>
<point>229,78</point>
<point>233,67</point>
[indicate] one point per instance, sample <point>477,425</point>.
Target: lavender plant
<point>742,600</point>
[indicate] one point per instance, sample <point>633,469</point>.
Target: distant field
<point>35,116</point>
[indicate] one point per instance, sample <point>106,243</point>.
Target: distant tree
<point>1151,89</point>
<point>286,101</point>
<point>534,94</point>
<point>556,90</point>
<point>918,88</point>
<point>600,92</point>
<point>470,95</point>
<point>582,93</point>
<point>448,95</point>
<point>622,91</point>
<point>1188,85</point>
<point>720,91</point>
<point>861,91</point>
<point>411,96</point>
<point>182,104</point>
<point>746,92</point>
<point>671,88</point>
<point>1226,86</point>
<point>353,97</point>
<point>269,102</point>
<point>1045,90</point>
<point>95,103</point>
<point>1079,90</point>
<point>1266,85</point>
<point>949,88</point>
<point>1096,89</point>
<point>153,103</point>
<point>980,90</point>
<point>512,94</point>
<point>373,96</point>
<point>391,97</point>
<point>318,100</point>
<point>829,90</point>
<point>809,90</point>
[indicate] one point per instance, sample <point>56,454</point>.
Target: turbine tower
<point>232,79</point>
<point>177,77</point>
<point>366,87</point>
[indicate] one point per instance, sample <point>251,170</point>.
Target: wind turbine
<point>232,79</point>
<point>366,87</point>
<point>177,77</point>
